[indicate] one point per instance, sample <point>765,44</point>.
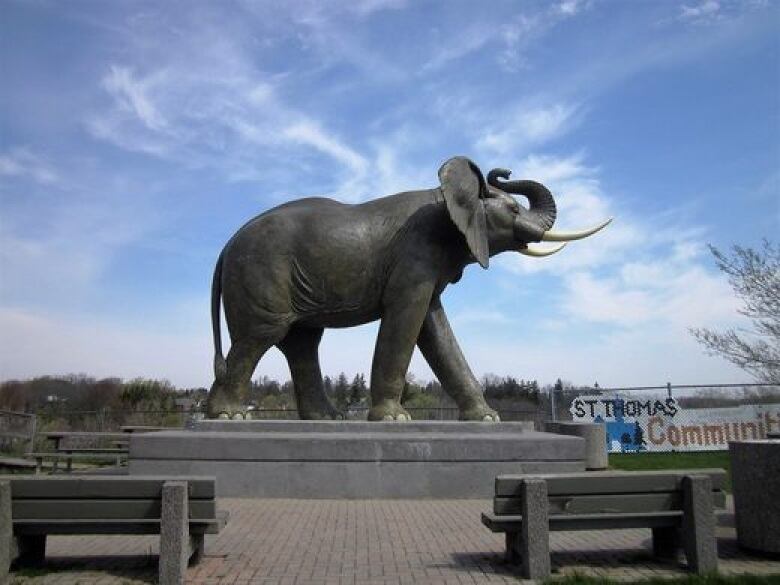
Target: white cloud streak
<point>527,127</point>
<point>23,163</point>
<point>132,95</point>
<point>705,12</point>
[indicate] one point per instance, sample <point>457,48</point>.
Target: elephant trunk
<point>542,209</point>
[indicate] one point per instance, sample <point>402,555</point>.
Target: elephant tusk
<point>540,253</point>
<point>554,236</point>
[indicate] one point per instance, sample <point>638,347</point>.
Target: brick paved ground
<point>354,542</point>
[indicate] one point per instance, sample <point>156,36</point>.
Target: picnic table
<point>68,452</point>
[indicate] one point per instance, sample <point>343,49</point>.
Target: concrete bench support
<point>177,545</point>
<point>699,524</point>
<point>6,528</point>
<point>534,536</point>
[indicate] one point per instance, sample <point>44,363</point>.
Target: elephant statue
<point>315,263</point>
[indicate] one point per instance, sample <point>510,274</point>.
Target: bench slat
<point>16,462</point>
<point>498,523</point>
<point>75,455</point>
<point>609,482</point>
<point>107,450</point>
<point>605,503</point>
<point>83,434</point>
<point>14,435</point>
<point>134,509</point>
<point>102,487</point>
<point>96,526</point>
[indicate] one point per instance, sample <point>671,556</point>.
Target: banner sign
<point>661,424</point>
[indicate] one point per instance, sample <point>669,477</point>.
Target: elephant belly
<point>341,298</point>
<point>339,319</point>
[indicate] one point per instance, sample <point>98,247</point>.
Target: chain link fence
<point>638,419</point>
<point>676,418</point>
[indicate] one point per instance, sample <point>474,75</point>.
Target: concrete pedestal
<point>755,475</point>
<point>337,459</point>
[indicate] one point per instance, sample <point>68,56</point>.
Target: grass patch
<point>713,579</point>
<point>672,460</point>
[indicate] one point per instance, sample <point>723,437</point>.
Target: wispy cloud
<point>58,237</point>
<point>702,13</point>
<point>311,134</point>
<point>22,163</point>
<point>570,7</point>
<point>639,273</point>
<point>132,95</point>
<point>527,127</point>
<point>450,48</point>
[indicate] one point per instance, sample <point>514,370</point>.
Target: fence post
<point>33,428</point>
<point>553,414</point>
<point>669,389</point>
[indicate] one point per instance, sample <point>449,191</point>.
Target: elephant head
<point>490,218</point>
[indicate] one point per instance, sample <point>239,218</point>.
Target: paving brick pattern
<point>382,542</point>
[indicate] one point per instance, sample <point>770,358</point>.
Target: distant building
<point>185,404</point>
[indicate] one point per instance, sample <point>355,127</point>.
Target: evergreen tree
<point>358,389</point>
<point>341,391</point>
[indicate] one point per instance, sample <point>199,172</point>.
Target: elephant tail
<point>220,366</point>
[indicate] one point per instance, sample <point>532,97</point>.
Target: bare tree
<point>755,277</point>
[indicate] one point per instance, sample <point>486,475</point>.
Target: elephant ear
<point>462,185</point>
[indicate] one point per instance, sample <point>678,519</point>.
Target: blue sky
<point>136,137</point>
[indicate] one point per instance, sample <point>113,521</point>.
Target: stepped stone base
<point>346,459</point>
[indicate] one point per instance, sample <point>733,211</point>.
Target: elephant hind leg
<point>300,348</point>
<point>228,395</point>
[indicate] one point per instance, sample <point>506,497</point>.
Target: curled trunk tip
<point>542,204</point>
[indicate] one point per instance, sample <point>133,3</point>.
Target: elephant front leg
<point>401,322</point>
<point>441,350</point>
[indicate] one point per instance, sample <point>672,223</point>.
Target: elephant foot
<point>389,410</point>
<point>237,415</point>
<point>479,412</point>
<point>226,411</point>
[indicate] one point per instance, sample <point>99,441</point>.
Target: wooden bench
<point>677,505</point>
<point>182,510</point>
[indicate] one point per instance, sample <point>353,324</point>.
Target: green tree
<point>358,390</point>
<point>341,392</point>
